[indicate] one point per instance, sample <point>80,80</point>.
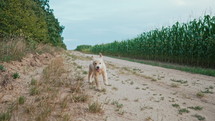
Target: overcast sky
<point>102,21</point>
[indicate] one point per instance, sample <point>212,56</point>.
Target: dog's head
<point>98,63</point>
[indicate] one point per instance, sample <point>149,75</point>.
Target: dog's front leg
<point>90,75</point>
<point>105,80</point>
<point>97,81</point>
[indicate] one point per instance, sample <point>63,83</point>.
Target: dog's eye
<point>95,63</point>
<point>99,63</point>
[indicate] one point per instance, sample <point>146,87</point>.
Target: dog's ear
<point>100,55</point>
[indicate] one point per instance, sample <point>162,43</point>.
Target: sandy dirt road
<point>140,92</point>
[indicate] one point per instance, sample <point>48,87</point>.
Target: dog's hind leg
<point>105,80</point>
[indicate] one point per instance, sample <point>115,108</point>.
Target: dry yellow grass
<point>12,49</point>
<point>95,107</point>
<point>17,47</point>
<point>51,96</point>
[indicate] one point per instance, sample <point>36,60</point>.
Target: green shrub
<point>21,100</point>
<point>15,75</point>
<point>5,116</point>
<point>2,68</point>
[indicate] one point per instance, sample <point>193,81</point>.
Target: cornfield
<point>191,43</point>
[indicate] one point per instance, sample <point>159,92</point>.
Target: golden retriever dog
<point>96,68</point>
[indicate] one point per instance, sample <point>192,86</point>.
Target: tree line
<point>32,19</point>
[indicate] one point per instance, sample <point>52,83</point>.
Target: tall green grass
<point>191,43</point>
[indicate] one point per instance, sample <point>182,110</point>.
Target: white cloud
<point>180,2</point>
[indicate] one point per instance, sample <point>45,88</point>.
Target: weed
<point>5,116</point>
<point>2,68</point>
<point>174,85</point>
<point>79,67</point>
<point>199,117</point>
<point>66,117</point>
<point>196,108</point>
<point>207,91</point>
<point>135,69</point>
<point>34,91</point>
<point>95,107</point>
<point>15,75</point>
<point>64,103</point>
<point>121,112</point>
<point>117,104</point>
<point>46,111</point>
<point>179,81</point>
<point>131,83</point>
<point>103,90</point>
<point>33,82</point>
<point>211,87</point>
<point>13,107</point>
<point>176,105</point>
<point>107,101</point>
<point>29,109</point>
<point>137,88</point>
<point>123,82</point>
<point>117,109</point>
<point>21,100</point>
<point>114,88</point>
<point>84,72</point>
<point>76,87</point>
<point>153,80</point>
<point>136,100</point>
<point>200,94</point>
<point>114,102</point>
<point>162,98</point>
<point>125,99</point>
<point>145,107</point>
<point>148,119</point>
<point>183,110</point>
<point>80,98</point>
<point>144,84</point>
<point>92,87</point>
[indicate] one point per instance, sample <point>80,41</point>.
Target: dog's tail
<point>100,54</point>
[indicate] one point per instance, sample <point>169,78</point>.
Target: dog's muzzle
<point>97,69</point>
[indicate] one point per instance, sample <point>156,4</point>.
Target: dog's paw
<point>99,89</point>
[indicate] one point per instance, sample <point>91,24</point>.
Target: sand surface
<point>141,92</point>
